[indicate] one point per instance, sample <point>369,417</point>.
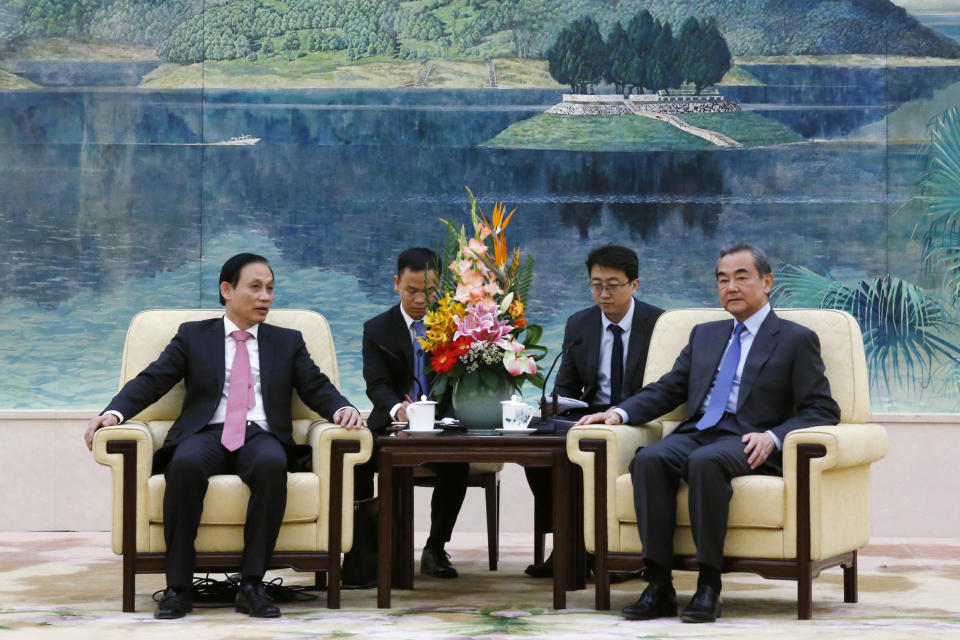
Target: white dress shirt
<point>606,352</point>
<point>257,413</point>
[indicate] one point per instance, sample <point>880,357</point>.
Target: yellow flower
<point>516,309</point>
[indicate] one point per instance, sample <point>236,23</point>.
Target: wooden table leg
<point>385,530</point>
<point>561,531</point>
<point>403,551</point>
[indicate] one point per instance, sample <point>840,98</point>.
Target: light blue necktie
<point>419,361</point>
<point>724,383</point>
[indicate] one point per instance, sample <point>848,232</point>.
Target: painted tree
<point>579,55</point>
<point>702,52</point>
<point>641,34</point>
<point>662,70</point>
<point>618,58</point>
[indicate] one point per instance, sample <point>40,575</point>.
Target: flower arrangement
<point>476,328</point>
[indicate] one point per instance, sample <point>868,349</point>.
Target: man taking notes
<point>394,370</point>
<point>604,354</point>
<point>746,385</point>
<point>240,374</point>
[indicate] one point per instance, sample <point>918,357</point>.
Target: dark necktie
<point>616,364</point>
<point>723,384</point>
<point>419,361</point>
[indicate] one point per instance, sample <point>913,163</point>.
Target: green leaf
<point>533,333</point>
<point>439,387</point>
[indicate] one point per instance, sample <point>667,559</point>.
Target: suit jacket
<point>782,388</point>
<point>196,355</point>
<point>577,376</point>
<point>388,366</point>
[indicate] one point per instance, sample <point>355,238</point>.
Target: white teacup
<point>420,415</point>
<point>516,414</point>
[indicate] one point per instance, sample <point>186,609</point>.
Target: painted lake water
<point>110,203</point>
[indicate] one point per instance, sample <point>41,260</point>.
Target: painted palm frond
<point>939,191</point>
<point>903,326</point>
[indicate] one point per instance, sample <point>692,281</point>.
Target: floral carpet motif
<point>67,585</point>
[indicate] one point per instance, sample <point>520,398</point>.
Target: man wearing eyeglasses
<point>605,352</point>
<point>394,370</point>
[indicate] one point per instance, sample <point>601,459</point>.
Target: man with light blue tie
<point>394,368</point>
<point>746,385</point>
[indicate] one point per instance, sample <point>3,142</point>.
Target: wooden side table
<point>401,452</point>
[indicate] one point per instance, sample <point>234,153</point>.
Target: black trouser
<point>447,497</point>
<point>707,460</point>
<point>261,463</point>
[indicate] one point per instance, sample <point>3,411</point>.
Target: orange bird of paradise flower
<point>500,222</point>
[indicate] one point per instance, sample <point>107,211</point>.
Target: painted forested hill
<point>187,31</point>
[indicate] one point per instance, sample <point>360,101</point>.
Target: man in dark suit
<point>746,385</point>
<point>240,374</point>
<point>618,324</point>
<point>394,370</point>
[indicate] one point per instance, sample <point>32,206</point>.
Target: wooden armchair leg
<point>850,580</point>
<point>129,585</point>
<point>491,487</point>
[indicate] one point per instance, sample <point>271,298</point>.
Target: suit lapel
<point>217,353</point>
<point>265,348</point>
<point>763,346</point>
<point>714,342</point>
<point>592,348</point>
<point>400,338</point>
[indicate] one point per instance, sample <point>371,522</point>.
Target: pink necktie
<point>240,397</point>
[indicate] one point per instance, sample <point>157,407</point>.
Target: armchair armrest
<point>847,445</point>
<point>337,450</point>
<point>111,447</point>
<point>599,486</point>
<point>826,474</point>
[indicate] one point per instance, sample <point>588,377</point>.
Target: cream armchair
<point>816,516</point>
<point>318,521</point>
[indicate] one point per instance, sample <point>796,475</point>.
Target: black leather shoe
<point>252,598</point>
<point>656,601</point>
<point>705,606</point>
<point>436,563</point>
<point>175,603</point>
<point>542,570</point>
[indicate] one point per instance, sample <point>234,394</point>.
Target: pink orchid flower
<point>482,325</point>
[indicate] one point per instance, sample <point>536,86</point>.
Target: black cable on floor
<point>209,592</point>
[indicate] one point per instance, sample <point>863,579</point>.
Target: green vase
<point>477,397</point>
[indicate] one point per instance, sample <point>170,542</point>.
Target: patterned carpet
<point>67,585</point>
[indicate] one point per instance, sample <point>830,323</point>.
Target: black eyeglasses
<point>609,287</point>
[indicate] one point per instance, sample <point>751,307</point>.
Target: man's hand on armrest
<point>349,418</point>
<point>105,420</point>
<point>606,417</point>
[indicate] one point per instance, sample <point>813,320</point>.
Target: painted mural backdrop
<point>143,142</point>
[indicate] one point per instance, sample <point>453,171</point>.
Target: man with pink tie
<point>236,418</point>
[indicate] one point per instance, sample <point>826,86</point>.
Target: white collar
<point>407,317</point>
<point>229,327</point>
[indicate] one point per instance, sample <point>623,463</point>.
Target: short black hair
<point>230,272</point>
<point>613,256</point>
<point>760,259</point>
<point>416,259</point>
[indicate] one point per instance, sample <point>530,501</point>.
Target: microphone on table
<point>555,396</point>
